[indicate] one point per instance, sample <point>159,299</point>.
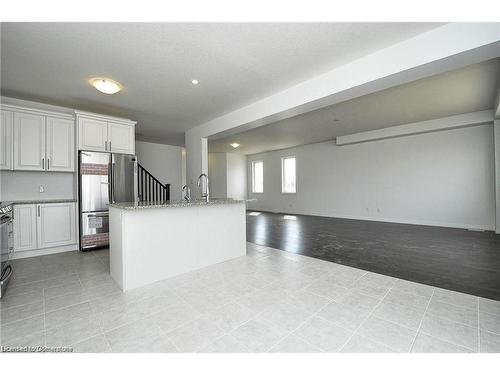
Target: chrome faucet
<point>205,193</point>
<point>186,190</point>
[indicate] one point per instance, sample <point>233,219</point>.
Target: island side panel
<point>116,253</point>
<point>159,243</point>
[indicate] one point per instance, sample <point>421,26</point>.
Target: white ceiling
<point>469,89</point>
<point>235,63</point>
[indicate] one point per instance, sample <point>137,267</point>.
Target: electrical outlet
<point>378,209</point>
<point>41,189</point>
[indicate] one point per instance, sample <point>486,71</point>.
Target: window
<point>288,175</point>
<point>257,177</point>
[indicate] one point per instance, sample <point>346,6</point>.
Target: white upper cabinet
<point>6,139</point>
<point>36,140</point>
<point>121,138</point>
<point>56,224</point>
<point>104,133</point>
<point>29,142</point>
<point>60,145</point>
<point>92,134</point>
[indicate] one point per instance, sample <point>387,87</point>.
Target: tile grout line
<point>478,328</point>
<point>422,320</point>
<point>302,289</point>
<point>330,300</point>
<point>98,322</point>
<point>236,301</point>
<point>44,319</point>
<point>447,319</point>
<point>366,319</point>
<point>292,332</point>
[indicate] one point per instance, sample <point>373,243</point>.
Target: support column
<point>196,160</point>
<point>497,173</point>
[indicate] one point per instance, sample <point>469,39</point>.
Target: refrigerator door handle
<point>110,182</point>
<point>113,175</point>
<point>98,215</point>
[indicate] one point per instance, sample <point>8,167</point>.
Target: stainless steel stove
<point>6,245</point>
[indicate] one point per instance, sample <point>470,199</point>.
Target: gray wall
<point>164,162</point>
<point>236,176</point>
<point>217,174</point>
<point>24,185</point>
<point>227,174</point>
<point>443,178</point>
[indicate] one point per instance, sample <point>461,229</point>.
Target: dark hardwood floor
<point>456,259</point>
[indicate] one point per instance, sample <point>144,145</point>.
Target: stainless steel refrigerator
<point>104,178</point>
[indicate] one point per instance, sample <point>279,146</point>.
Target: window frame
<point>253,176</point>
<point>283,158</point>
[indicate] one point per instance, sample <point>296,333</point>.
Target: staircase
<point>150,188</point>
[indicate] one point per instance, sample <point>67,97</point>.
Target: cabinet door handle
<point>48,163</point>
<point>38,209</point>
<point>43,163</point>
<point>109,145</point>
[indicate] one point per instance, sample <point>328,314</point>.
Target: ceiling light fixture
<point>106,86</point>
<point>235,145</point>
<point>195,81</point>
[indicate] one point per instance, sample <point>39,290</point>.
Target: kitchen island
<point>152,241</point>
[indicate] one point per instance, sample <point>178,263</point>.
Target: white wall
<point>227,175</point>
<point>164,162</point>
<point>443,178</point>
<point>24,185</point>
<point>217,175</point>
<point>236,176</point>
<point>183,167</point>
<point>422,56</point>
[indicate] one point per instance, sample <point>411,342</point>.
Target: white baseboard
<point>482,227</point>
<point>38,252</point>
<point>423,222</point>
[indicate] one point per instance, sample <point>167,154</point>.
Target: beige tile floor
<point>268,301</point>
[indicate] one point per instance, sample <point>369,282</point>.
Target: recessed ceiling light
<point>195,81</point>
<point>106,86</point>
<point>235,145</point>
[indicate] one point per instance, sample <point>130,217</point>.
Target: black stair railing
<point>150,188</point>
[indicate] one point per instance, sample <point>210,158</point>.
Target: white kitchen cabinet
<point>44,225</point>
<point>36,140</point>
<point>29,142</point>
<point>92,134</point>
<point>25,221</point>
<point>121,138</point>
<point>105,133</point>
<point>6,139</point>
<point>56,224</point>
<point>60,139</point>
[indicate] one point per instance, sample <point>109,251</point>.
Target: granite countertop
<point>41,201</point>
<point>173,204</point>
